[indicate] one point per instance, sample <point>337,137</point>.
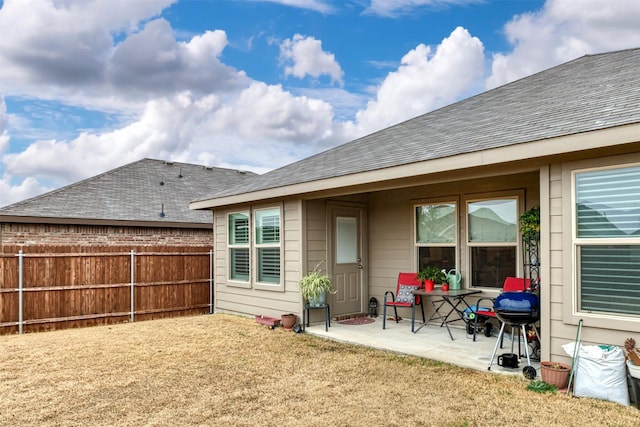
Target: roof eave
<point>542,148</point>
<point>19,219</point>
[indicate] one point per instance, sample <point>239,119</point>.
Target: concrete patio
<point>431,342</point>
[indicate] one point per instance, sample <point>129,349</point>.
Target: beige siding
<point>316,239</point>
<point>597,329</point>
<point>251,301</point>
<point>391,246</point>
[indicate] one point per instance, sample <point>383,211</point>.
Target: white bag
<point>600,372</point>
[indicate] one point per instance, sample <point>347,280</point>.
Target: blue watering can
<point>454,277</point>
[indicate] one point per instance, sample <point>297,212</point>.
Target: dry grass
<point>228,370</point>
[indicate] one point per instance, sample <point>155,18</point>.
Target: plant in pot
<point>555,373</point>
<point>289,321</point>
<point>431,276</point>
<point>315,286</point>
<point>633,357</point>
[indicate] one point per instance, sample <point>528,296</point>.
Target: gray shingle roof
<point>133,193</point>
<point>590,93</point>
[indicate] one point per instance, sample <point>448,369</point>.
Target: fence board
<point>77,286</point>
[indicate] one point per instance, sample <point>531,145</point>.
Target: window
<point>267,244</point>
<point>492,239</point>
<point>435,231</point>
<point>238,242</point>
<point>607,240</point>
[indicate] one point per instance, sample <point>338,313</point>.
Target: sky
<point>90,85</point>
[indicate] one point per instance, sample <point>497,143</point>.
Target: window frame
<point>576,243</point>
<point>231,246</point>
<point>455,201</point>
<point>257,246</point>
<point>253,246</point>
<point>519,196</point>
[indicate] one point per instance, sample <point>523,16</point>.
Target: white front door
<point>347,223</point>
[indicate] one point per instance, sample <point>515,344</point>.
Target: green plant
<point>432,273</point>
<point>530,224</point>
<point>541,387</point>
<point>315,283</point>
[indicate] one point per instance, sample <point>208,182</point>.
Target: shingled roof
<point>590,93</point>
<point>146,191</point>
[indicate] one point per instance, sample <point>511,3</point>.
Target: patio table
<point>453,298</point>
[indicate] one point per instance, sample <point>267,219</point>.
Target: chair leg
<point>395,311</point>
<point>384,317</point>
<point>413,317</point>
<point>475,323</point>
<point>422,310</point>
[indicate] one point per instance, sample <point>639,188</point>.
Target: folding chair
<point>407,283</point>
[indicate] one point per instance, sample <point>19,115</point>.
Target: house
<point>76,242</point>
<point>566,139</point>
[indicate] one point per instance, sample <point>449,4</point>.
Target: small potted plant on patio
<point>315,286</point>
<point>431,275</point>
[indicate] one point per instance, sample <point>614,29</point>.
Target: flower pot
<point>289,321</point>
<point>445,287</point>
<point>554,373</point>
<point>319,301</point>
<point>634,369</point>
<point>428,285</point>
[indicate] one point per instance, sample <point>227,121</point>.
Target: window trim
<point>231,281</point>
<point>253,247</point>
<point>519,195</point>
<point>256,246</point>
<point>613,320</point>
<point>455,200</point>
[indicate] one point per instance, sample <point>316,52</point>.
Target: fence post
<point>211,282</point>
<point>133,256</point>
<point>20,293</point>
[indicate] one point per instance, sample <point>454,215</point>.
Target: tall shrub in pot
<point>315,286</point>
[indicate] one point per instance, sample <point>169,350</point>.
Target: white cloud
<point>263,128</point>
<point>561,31</point>
<point>309,59</point>
<point>317,5</point>
<point>11,193</point>
<point>426,80</point>
<point>4,136</point>
<point>392,8</point>
<point>73,52</point>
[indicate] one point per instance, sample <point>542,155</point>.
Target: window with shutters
<point>254,247</point>
<point>267,245</point>
<point>238,244</point>
<point>606,240</point>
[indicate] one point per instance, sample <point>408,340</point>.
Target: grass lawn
<point>223,370</point>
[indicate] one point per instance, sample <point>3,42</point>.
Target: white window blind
<point>267,242</point>
<point>608,240</point>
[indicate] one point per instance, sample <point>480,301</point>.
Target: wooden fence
<point>46,288</point>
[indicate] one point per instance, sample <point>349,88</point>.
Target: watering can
<point>454,278</point>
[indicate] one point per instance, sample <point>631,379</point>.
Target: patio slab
<point>431,342</point>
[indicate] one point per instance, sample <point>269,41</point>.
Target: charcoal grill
<point>517,309</point>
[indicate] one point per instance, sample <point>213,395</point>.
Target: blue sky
<point>90,85</point>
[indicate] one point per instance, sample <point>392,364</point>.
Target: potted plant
<point>530,224</point>
<point>289,321</point>
<point>633,357</point>
<point>315,286</point>
<point>431,275</point>
<point>555,373</point>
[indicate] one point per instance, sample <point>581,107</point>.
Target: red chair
<point>407,283</point>
<point>511,284</point>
